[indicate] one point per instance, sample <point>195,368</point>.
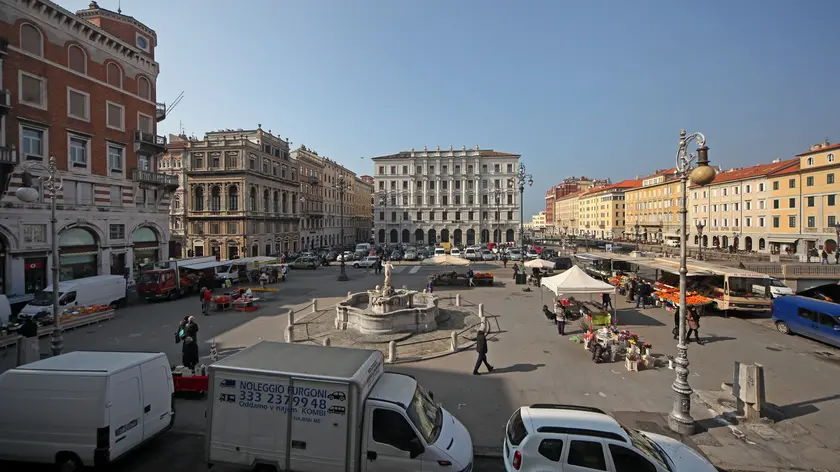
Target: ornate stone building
<point>244,195</point>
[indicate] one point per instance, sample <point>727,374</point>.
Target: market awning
<point>782,240</point>
<point>205,265</point>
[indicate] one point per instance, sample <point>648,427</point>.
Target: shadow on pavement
<point>517,368</point>
<point>633,317</point>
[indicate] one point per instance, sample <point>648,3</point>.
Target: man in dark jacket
<point>481,348</point>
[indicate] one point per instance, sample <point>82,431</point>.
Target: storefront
<point>35,274</point>
<point>146,250</point>
<point>78,254</point>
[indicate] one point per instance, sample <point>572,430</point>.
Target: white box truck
<point>95,290</point>
<point>84,409</point>
<point>306,408</point>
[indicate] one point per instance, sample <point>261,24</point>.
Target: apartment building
<point>370,181</point>
<point>819,170</point>
<point>174,162</point>
<point>601,211</point>
<point>311,200</point>
<point>654,207</point>
<point>80,88</point>
<point>568,186</point>
<point>244,195</point>
<point>735,209</point>
<point>361,210</point>
<point>461,196</point>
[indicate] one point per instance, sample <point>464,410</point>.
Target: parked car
<point>332,256</point>
<point>562,263</point>
<point>455,252</point>
<point>439,251</point>
<point>346,256</point>
<point>471,254</point>
<point>305,263</point>
<point>777,289</point>
<point>570,438</point>
<point>367,262</point>
<point>486,255</point>
<point>411,254</point>
<point>515,255</point>
<point>532,254</point>
<point>396,255</point>
<point>815,319</point>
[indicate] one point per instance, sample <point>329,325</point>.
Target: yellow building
<point>601,211</point>
<point>566,213</point>
<point>654,207</point>
<point>735,209</point>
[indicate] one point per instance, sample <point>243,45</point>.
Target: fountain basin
<point>400,311</point>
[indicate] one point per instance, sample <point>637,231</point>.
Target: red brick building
<point>80,87</point>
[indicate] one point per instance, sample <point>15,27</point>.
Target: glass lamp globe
<point>26,194</point>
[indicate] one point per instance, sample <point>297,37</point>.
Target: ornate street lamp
<point>521,179</point>
<point>52,184</point>
<point>680,420</point>
<point>342,185</point>
<point>700,227</point>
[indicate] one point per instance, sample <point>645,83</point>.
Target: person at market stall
<point>606,301</point>
<point>824,257</point>
<point>263,279</point>
<point>631,289</point>
<point>640,295</point>
<point>560,319</point>
<point>550,316</point>
<point>207,299</point>
<point>515,270</point>
<point>29,329</point>
<point>481,348</point>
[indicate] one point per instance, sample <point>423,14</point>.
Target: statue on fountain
<point>386,289</point>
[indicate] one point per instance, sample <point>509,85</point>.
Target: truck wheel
<point>67,462</point>
<point>172,295</point>
<point>782,327</point>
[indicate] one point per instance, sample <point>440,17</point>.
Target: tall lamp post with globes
<point>700,227</point>
<point>680,420</point>
<point>342,185</point>
<point>521,179</point>
<point>51,183</point>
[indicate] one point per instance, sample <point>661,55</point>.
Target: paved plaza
<point>533,364</point>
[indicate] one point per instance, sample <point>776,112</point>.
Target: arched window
<point>265,202</point>
<point>77,59</point>
<point>115,75</point>
<point>276,202</point>
<point>31,39</point>
<point>252,200</point>
<point>233,198</point>
<point>215,198</point>
<point>198,199</point>
<point>144,88</point>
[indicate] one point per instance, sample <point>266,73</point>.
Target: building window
<point>809,181</point>
<point>116,160</point>
<point>812,222</point>
<point>116,232</point>
<point>32,143</point>
<point>142,42</point>
<point>115,75</point>
<point>31,40</point>
<point>792,183</point>
<point>776,222</point>
<point>78,149</point>
<point>761,221</point>
<point>832,220</point>
<point>791,221</point>
<point>34,233</point>
<point>78,104</point>
<point>32,90</point>
<point>829,179</point>
<point>381,170</point>
<point>829,158</point>
<point>116,116</point>
<point>776,185</point>
<point>419,216</point>
<point>776,204</point>
<point>748,222</point>
<point>830,199</point>
<point>810,201</point>
<point>144,88</point>
<point>393,170</point>
<point>810,161</point>
<point>77,59</point>
<point>747,189</point>
<point>792,202</point>
<point>761,187</point>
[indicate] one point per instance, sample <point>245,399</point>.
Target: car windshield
<point>425,415</point>
<point>647,447</point>
<point>777,283</point>
<point>43,298</point>
<point>150,278</point>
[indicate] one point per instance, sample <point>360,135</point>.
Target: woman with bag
<point>693,319</point>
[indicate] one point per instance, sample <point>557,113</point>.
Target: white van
<point>96,290</point>
<point>439,251</point>
<point>84,409</point>
<point>672,242</point>
<point>363,247</point>
<point>327,409</point>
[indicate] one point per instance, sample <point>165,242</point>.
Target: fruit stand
<point>454,278</point>
<point>70,319</point>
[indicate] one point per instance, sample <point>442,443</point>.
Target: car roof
<point>571,417</point>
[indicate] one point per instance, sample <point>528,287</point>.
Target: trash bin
<point>521,279</point>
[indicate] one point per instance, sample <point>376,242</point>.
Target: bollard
<point>481,310</point>
<point>214,353</point>
<point>457,299</point>
<point>392,352</point>
<point>326,341</point>
<point>453,343</point>
<point>314,305</point>
<point>291,318</point>
<point>424,290</point>
<point>349,294</point>
<point>290,334</point>
<point>482,323</point>
<point>21,350</point>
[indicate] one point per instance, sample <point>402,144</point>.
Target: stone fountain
<point>385,310</point>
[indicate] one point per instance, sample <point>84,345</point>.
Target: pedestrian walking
<point>560,318</point>
<point>207,297</point>
<point>837,255</point>
<point>693,318</point>
<point>481,348</point>
<point>471,276</point>
<point>515,270</point>
<point>640,295</point>
<point>824,257</point>
<point>606,301</point>
<point>504,260</point>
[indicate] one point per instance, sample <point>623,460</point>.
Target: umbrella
<point>539,264</point>
<point>444,260</point>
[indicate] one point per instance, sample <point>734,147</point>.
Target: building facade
<point>566,210</point>
<point>463,197</point>
<point>819,169</point>
<point>654,207</point>
<point>371,182</point>
<point>569,186</point>
<point>311,200</point>
<point>362,209</point>
<point>735,208</point>
<point>244,195</point>
<point>81,88</point>
<point>174,162</point>
<point>601,211</point>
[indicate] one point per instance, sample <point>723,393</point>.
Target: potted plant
<point>631,361</point>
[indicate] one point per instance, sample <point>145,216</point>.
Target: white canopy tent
<point>577,282</point>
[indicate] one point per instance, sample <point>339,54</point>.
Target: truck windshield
<point>150,278</point>
<point>743,286</point>
<point>425,414</point>
<point>43,298</point>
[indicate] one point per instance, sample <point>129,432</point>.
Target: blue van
<point>815,319</point>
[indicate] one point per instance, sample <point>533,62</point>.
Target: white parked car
<point>367,262</point>
<point>777,289</point>
<point>566,438</point>
<point>439,251</point>
<point>471,253</point>
<point>346,256</point>
<point>455,252</point>
<point>486,255</point>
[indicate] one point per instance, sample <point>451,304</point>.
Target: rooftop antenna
<point>119,7</point>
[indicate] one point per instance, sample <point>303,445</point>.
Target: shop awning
<point>782,240</point>
<point>205,265</point>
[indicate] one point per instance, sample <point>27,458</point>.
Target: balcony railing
<point>150,139</point>
<point>5,101</point>
<point>8,156</point>
<point>809,230</point>
<point>150,177</point>
<point>313,180</point>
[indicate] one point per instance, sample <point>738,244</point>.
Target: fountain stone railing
<point>401,311</point>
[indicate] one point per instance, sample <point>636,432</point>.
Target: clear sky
<point>590,87</point>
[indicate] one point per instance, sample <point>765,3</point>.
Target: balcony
<point>156,178</point>
<point>160,112</point>
<point>313,180</point>
<point>149,142</point>
<point>8,156</point>
<point>5,101</point>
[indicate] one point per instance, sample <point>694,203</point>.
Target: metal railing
<point>8,156</point>
<point>149,138</point>
<point>147,176</point>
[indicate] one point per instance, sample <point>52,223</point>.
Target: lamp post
<point>342,185</point>
<point>700,227</point>
<point>680,420</point>
<point>51,183</point>
<point>521,179</point>
<point>837,242</point>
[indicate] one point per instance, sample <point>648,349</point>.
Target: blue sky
<point>593,87</point>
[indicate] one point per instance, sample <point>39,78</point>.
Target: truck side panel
<point>319,436</point>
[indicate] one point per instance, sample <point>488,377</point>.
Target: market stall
<point>70,319</point>
<point>576,282</point>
